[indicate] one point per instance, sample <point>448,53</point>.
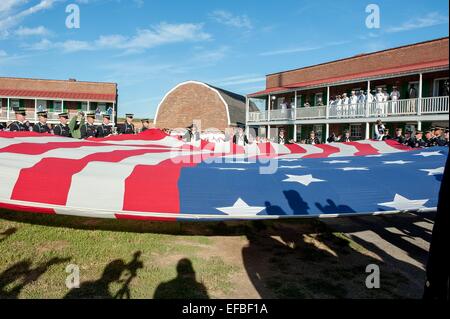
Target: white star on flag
<point>292,167</point>
<point>289,160</point>
<point>353,168</point>
<point>241,208</point>
<point>401,162</point>
<point>337,162</point>
<point>403,204</point>
<point>231,169</point>
<point>435,171</point>
<point>426,154</point>
<point>302,179</point>
<point>376,155</point>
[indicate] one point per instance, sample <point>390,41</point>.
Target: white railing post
<point>35,110</point>
<point>327,110</point>
<point>419,104</point>
<point>8,110</point>
<point>367,112</point>
<point>295,132</point>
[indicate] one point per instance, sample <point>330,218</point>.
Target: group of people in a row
<point>80,126</point>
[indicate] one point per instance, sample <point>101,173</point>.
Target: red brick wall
<point>419,53</point>
<point>191,102</point>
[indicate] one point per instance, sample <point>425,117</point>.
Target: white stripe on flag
<point>382,147</point>
<point>280,149</point>
<point>310,149</point>
<point>5,142</point>
<point>344,150</point>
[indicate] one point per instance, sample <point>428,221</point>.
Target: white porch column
<point>113,115</point>
<point>35,110</point>
<point>327,131</point>
<point>367,130</point>
<point>327,110</point>
<point>7,110</point>
<point>268,131</point>
<point>367,100</point>
<point>419,125</point>
<point>419,104</point>
<point>295,132</point>
<point>88,106</point>
<point>62,105</point>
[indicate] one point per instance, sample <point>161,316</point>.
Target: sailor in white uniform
<point>345,104</point>
<point>395,96</point>
<point>353,103</point>
<point>380,99</point>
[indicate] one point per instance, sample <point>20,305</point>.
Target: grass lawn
<point>121,259</point>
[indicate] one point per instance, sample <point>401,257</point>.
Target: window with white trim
<point>41,105</point>
<point>14,104</point>
<point>318,97</point>
<point>57,106</point>
<point>356,131</point>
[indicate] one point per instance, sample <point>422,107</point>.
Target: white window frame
<point>436,87</point>
<point>356,125</point>
<point>12,102</point>
<point>43,103</point>
<point>55,108</point>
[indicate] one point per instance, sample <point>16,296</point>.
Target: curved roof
<point>234,103</point>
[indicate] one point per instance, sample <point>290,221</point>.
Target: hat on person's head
<point>42,113</point>
<point>427,131</point>
<point>408,132</point>
<point>398,129</point>
<point>419,132</point>
<point>90,114</point>
<point>129,115</point>
<point>446,130</point>
<point>432,128</point>
<point>379,89</point>
<point>64,115</point>
<point>145,120</point>
<point>21,111</point>
<point>107,116</point>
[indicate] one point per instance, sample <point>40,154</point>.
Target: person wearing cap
<point>380,98</point>
<point>408,138</point>
<point>446,136</point>
<point>145,125</point>
<point>338,105</point>
<point>346,137</point>
<point>386,135</point>
<point>282,139</point>
<point>417,141</point>
<point>440,140</point>
<point>128,126</point>
<point>353,103</point>
<point>378,129</point>
<point>345,104</point>
<point>62,129</point>
<point>399,135</point>
<point>105,129</point>
<point>41,126</point>
<point>240,138</point>
<point>313,139</point>
<point>428,139</point>
<point>20,124</point>
<point>89,129</point>
<point>395,96</point>
<point>2,127</point>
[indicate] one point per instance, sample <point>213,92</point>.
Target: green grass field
<point>121,259</point>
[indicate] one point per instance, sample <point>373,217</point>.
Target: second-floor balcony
<point>399,108</point>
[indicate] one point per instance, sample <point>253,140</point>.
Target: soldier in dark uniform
<point>105,129</point>
<point>62,129</point>
<point>440,140</point>
<point>145,125</point>
<point>407,140</point>
<point>282,138</point>
<point>417,141</point>
<point>128,126</point>
<point>346,138</point>
<point>2,127</point>
<point>446,137</point>
<point>428,139</point>
<point>386,135</point>
<point>20,124</point>
<point>89,129</point>
<point>399,136</point>
<point>312,139</point>
<point>41,126</point>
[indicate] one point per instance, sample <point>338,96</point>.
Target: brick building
<point>423,66</point>
<point>194,101</point>
<point>56,96</point>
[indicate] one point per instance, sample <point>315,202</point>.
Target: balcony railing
<point>52,116</point>
<point>406,107</point>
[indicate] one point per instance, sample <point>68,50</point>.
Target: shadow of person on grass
<point>25,274</point>
<point>184,286</point>
<point>7,233</point>
<point>113,272</point>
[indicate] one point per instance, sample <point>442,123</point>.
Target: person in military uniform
<point>313,139</point>
<point>41,126</point>
<point>20,124</point>
<point>440,140</point>
<point>346,138</point>
<point>240,138</point>
<point>428,138</point>
<point>2,127</point>
<point>89,129</point>
<point>128,126</point>
<point>105,129</point>
<point>399,136</point>
<point>386,135</point>
<point>417,141</point>
<point>446,137</point>
<point>407,141</point>
<point>62,129</point>
<point>282,138</point>
<point>145,125</point>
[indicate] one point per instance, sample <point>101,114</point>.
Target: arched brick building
<point>192,101</point>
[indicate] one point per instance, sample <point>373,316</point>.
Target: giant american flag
<point>153,176</point>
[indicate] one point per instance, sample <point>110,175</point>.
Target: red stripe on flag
<point>363,149</point>
<point>155,188</point>
<point>295,148</point>
<point>6,134</point>
<point>36,149</point>
<point>397,145</point>
<point>327,151</point>
<point>49,180</point>
<point>266,148</point>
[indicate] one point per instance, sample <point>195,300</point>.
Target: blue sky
<point>147,47</point>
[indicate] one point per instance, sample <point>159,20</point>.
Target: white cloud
<point>240,79</point>
<point>13,19</point>
<point>305,48</point>
<point>3,54</point>
<point>37,31</point>
<point>162,34</point>
<point>227,18</point>
<point>429,20</point>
